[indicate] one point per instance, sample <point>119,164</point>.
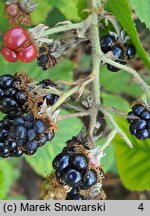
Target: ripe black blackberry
<point>121,52</point>
<point>24,134</point>
<point>139,119</point>
<point>12,99</point>
<point>45,58</point>
<point>50,98</point>
<point>73,167</point>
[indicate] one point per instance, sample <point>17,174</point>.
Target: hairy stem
<point>64,97</point>
<point>96,59</point>
<point>73,115</point>
<point>62,28</point>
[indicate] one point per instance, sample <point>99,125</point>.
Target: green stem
<point>96,59</point>
<point>62,28</point>
<point>64,97</point>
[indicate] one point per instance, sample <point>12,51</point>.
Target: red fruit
<point>28,54</point>
<point>15,38</point>
<point>9,55</point>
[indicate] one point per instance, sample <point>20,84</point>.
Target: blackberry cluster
<point>22,135</point>
<point>121,52</point>
<point>45,58</point>
<point>73,168</point>
<point>22,130</point>
<point>12,99</point>
<point>139,119</point>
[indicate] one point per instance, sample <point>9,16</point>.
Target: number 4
<point>141,207</point>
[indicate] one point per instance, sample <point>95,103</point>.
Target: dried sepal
<point>36,34</point>
<point>28,5</point>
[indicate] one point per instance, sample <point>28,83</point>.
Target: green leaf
<point>67,8</point>
<point>62,71</point>
<point>115,101</point>
<point>122,11</point>
<point>119,83</point>
<point>41,12</point>
<point>81,5</point>
<point>133,164</point>
<point>8,174</point>
<point>42,160</point>
<point>142,10</point>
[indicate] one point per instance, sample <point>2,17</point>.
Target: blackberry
<point>16,138</point>
<point>89,180</point>
<point>45,59</point>
<point>12,99</point>
<point>118,54</point>
<point>130,51</point>
<point>139,120</point>
<point>50,98</point>
<point>73,177</point>
<point>73,168</point>
<point>80,161</point>
<point>61,162</point>
<point>106,42</point>
<point>6,81</point>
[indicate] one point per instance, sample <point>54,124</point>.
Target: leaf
<point>142,10</point>
<point>81,5</point>
<point>42,160</point>
<point>115,101</point>
<point>62,71</point>
<point>119,82</point>
<point>41,12</point>
<point>133,164</point>
<point>8,174</point>
<point>67,8</point>
<point>122,11</point>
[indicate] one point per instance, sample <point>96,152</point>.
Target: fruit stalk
<point>96,59</point>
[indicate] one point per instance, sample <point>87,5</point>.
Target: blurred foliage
<point>8,175</point>
<point>113,86</point>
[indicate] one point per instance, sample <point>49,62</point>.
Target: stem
<point>137,78</point>
<point>96,59</point>
<point>110,137</point>
<point>62,28</point>
<point>63,97</point>
<point>118,129</point>
<point>73,115</point>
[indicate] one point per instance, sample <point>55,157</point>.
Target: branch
<point>96,59</point>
